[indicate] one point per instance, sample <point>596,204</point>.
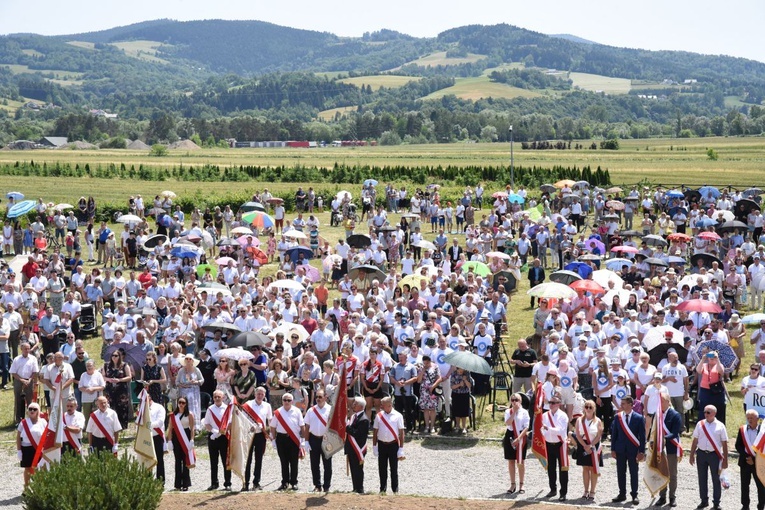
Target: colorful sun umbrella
<point>258,219</point>
<point>590,286</point>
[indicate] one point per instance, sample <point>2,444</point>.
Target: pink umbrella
<point>709,236</point>
<point>698,305</point>
<point>624,249</point>
<point>312,273</point>
<point>593,244</point>
<point>224,261</point>
<point>500,194</point>
<point>254,241</point>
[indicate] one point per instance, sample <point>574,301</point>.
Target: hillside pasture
<point>481,87</point>
<point>440,59</point>
<point>329,115</point>
<point>57,73</point>
<point>377,81</point>
<point>599,83</point>
<point>82,44</point>
<point>143,50</point>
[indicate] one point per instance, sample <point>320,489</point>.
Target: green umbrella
<point>468,361</point>
<point>201,270</point>
<point>478,268</point>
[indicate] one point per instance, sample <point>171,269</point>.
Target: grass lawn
<point>480,87</point>
<point>440,59</point>
<point>599,83</point>
<point>143,50</point>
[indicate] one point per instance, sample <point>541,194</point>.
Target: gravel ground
<point>434,467</point>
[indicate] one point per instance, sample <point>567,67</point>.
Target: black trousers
<point>159,443</point>
<point>13,342</point>
<point>405,405</point>
<point>218,449</point>
<point>553,466</point>
<point>288,457</point>
<point>67,448</point>
<point>182,474</point>
<point>622,463</point>
<point>100,445</point>
<point>317,459</point>
<point>257,449</point>
<point>357,473</point>
<point>747,473</point>
<point>50,345</point>
<point>388,456</point>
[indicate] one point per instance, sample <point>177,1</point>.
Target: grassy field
<point>143,50</point>
<point>660,161</point>
<point>440,59</point>
<point>329,115</point>
<point>377,81</point>
<point>58,75</point>
<point>598,83</point>
<point>481,87</point>
<point>83,44</point>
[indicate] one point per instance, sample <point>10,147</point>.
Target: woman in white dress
<point>515,442</point>
<point>189,380</point>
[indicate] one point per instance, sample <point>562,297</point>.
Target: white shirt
<point>216,412</point>
<point>263,410</point>
<point>395,420</point>
<point>716,430</point>
<point>157,416</point>
<point>108,419</point>
<point>676,389</point>
<point>555,427</point>
<point>24,367</point>
<point>520,418</point>
<point>76,419</point>
<point>293,418</point>
<point>36,429</point>
<point>315,426</point>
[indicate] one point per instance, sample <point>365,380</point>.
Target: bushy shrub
<point>96,482</point>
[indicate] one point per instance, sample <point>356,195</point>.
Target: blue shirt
<point>49,325</point>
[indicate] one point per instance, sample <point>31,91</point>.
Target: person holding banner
<point>588,433</point>
<point>745,446</point>
<point>286,431</point>
<point>28,434</point>
<point>74,423</point>
<point>216,423</point>
<point>260,412</point>
<point>356,442</point>
<point>555,431</point>
<point>388,443</point>
<point>181,442</point>
<point>710,442</point>
<point>672,429</point>
<point>515,442</point>
<point>628,448</point>
<point>315,428</point>
<point>157,416</point>
<point>103,428</point>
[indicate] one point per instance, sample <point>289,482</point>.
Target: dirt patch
<point>138,145</point>
<point>226,501</point>
<point>184,144</point>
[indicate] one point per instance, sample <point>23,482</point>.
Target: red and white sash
<point>521,442</point>
<point>760,442</point>
<point>674,440</point>
<point>222,422</point>
<point>717,449</point>
<point>594,453</point>
<point>389,427</point>
<point>350,368</point>
<point>626,429</point>
<point>319,416</point>
<point>73,441</point>
<point>28,432</point>
<point>375,373</point>
<point>295,436</point>
<point>109,437</point>
<point>255,417</point>
<point>360,452</point>
<point>188,451</point>
<point>749,447</point>
<point>563,443</point>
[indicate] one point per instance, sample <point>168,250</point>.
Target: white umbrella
<point>213,291</point>
<point>156,210</point>
<point>168,194</point>
<point>655,336</point>
<point>330,261</point>
<point>690,280</point>
<point>342,194</point>
<point>603,276</point>
<point>242,231</point>
<point>498,255</point>
<point>726,215</point>
<point>286,284</point>
<point>288,329</point>
<point>425,245</point>
<point>295,234</point>
<point>129,218</point>
<point>62,207</point>
<point>552,290</point>
<point>623,294</point>
<point>235,353</point>
<point>207,240</point>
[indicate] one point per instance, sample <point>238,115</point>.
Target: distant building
<point>690,81</point>
<point>53,141</point>
<point>103,113</point>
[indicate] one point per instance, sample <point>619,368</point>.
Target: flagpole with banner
<point>656,475</point>
<point>144,442</point>
<point>538,445</point>
<point>49,447</point>
<point>334,438</point>
<point>241,433</point>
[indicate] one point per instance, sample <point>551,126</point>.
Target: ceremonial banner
<point>49,448</point>
<point>334,439</point>
<point>538,446</point>
<point>759,459</point>
<point>144,443</point>
<point>656,475</point>
<point>241,432</point>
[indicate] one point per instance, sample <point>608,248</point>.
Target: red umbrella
<point>625,249</point>
<point>679,237</point>
<point>588,286</point>
<point>258,254</point>
<point>698,305</point>
<point>709,236</point>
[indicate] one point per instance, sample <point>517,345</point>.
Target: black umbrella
<point>252,206</point>
<point>730,226</point>
<point>752,192</point>
<point>654,240</point>
<point>630,233</point>
<point>659,352</point>
<point>134,355</point>
<point>708,258</point>
<point>155,240</point>
<point>653,261</point>
<point>359,241</point>
<point>506,279</point>
<point>368,271</point>
<point>692,195</point>
<point>227,241</point>
<point>223,326</point>
<point>248,339</point>
<point>547,188</point>
<point>565,277</point>
<point>745,206</point>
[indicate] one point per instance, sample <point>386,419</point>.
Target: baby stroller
<point>87,320</point>
<point>350,213</point>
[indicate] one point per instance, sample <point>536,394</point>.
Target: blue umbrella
<point>370,182</point>
<point>675,210</point>
<point>295,252</point>
<point>616,264</point>
<point>706,190</point>
<point>755,318</point>
<point>725,352</point>
<point>515,198</point>
<point>705,222</point>
<point>580,268</point>
<point>16,195</point>
<point>165,220</point>
<point>21,208</point>
<point>184,251</point>
<point>675,194</point>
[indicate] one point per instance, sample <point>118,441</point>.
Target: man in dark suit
<point>454,252</point>
<point>673,423</point>
<point>536,276</point>
<point>745,447</point>
<point>628,448</point>
<point>356,443</point>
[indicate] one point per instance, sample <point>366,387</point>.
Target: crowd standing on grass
<point>638,302</point>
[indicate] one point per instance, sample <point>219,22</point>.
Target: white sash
<point>749,447</point>
<point>563,444</point>
<point>630,435</point>
<point>185,442</point>
<point>593,452</point>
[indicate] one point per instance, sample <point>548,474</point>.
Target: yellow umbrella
<point>413,280</point>
<point>564,183</point>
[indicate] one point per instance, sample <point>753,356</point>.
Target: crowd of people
<point>649,328</point>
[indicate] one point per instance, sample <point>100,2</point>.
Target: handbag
<point>716,388</point>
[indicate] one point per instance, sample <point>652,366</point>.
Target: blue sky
<point>732,28</point>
